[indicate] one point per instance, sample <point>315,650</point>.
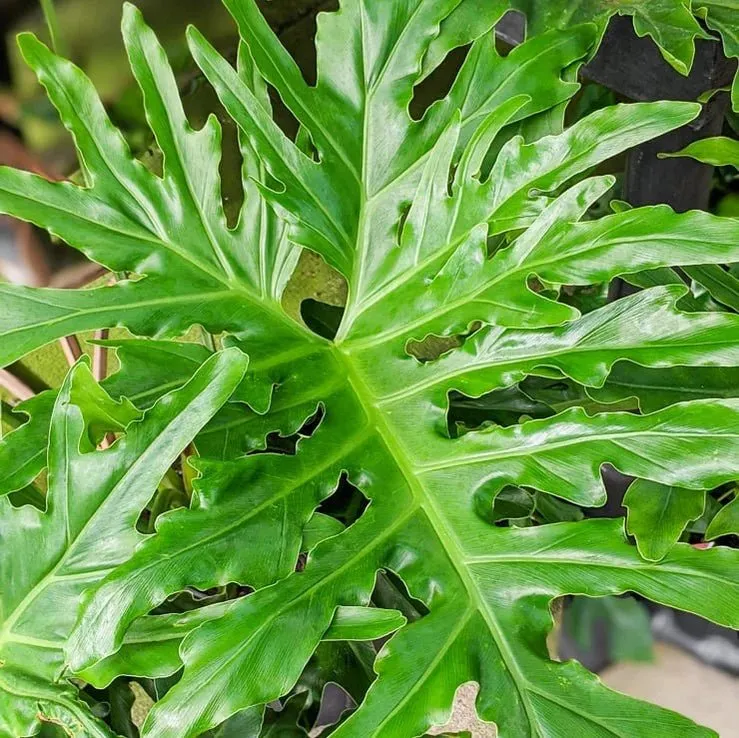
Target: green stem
<point>52,23</point>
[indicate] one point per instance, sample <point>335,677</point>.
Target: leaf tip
<point>29,45</point>
<point>131,14</point>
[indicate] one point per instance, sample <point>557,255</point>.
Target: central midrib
<point>447,538</point>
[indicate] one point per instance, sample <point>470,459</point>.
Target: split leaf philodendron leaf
<point>48,558</point>
<point>674,25</point>
<point>445,226</point>
<point>148,370</point>
<point>726,522</point>
<point>658,514</point>
<point>718,151</point>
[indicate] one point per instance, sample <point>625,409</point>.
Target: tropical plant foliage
<point>456,233</point>
<point>673,25</point>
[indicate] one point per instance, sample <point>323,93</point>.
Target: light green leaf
<point>658,388</point>
<point>363,624</point>
<point>148,370</point>
<point>23,451</point>
<point>319,528</point>
<point>718,151</point>
<point>171,229</point>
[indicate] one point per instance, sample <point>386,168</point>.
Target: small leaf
<point>658,514</point>
<point>718,151</point>
<point>725,522</point>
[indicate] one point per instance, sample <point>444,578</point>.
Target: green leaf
<point>719,283</point>
<point>658,388</point>
<point>363,624</point>
<point>121,699</point>
<point>319,528</point>
<point>171,229</point>
<point>23,451</point>
<point>50,557</point>
<point>718,151</point>
<point>658,514</point>
<point>720,16</point>
<point>497,572</point>
<point>669,23</point>
<point>626,620</point>
<point>725,523</point>
<point>148,370</point>
<point>438,226</point>
<point>672,24</point>
<point>246,724</point>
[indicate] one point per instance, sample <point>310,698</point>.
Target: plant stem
<point>52,23</point>
<point>726,495</point>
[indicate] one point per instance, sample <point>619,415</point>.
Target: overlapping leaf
<point>672,24</point>
<point>48,558</point>
<point>433,239</point>
<point>148,370</point>
<point>658,515</point>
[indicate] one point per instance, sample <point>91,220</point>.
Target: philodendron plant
<point>459,231</point>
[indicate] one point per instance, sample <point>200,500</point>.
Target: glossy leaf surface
<point>447,226</point>
<point>50,557</point>
<point>673,25</point>
<point>658,515</point>
<point>725,523</point>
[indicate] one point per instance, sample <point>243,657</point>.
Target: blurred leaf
<point>626,623</point>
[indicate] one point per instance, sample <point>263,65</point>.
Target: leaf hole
<point>392,593</point>
<point>405,210</point>
<point>282,115</point>
<point>192,598</point>
<point>276,443</point>
<point>434,346</point>
<point>464,719</point>
<point>437,85</point>
<point>321,317</point>
<point>501,407</point>
<point>347,503</point>
<point>199,101</point>
<point>313,279</point>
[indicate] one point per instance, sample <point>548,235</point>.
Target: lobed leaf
<point>49,557</point>
<point>448,227</point>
